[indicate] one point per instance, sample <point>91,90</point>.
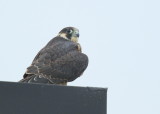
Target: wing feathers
<point>59,60</point>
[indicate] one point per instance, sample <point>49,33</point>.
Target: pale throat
<point>73,39</point>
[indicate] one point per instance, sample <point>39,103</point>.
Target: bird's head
<point>69,33</point>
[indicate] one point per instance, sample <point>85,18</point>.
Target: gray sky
<point>120,37</point>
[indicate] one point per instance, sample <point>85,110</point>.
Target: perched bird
<point>59,62</point>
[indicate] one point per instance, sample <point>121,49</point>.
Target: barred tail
<point>43,80</point>
<point>36,79</point>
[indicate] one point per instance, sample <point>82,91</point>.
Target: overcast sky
<point>120,37</point>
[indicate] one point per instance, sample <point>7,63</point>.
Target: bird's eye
<point>69,31</point>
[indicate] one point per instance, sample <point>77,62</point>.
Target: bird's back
<point>58,62</point>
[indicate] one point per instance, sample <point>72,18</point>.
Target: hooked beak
<point>77,35</point>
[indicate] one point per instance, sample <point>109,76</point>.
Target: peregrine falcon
<point>59,62</point>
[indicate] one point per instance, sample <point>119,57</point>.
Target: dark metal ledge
<point>23,98</point>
